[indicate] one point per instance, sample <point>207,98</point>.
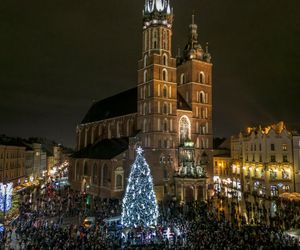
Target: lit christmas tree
<point>139,204</point>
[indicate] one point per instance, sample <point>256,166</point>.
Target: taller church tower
<point>157,92</point>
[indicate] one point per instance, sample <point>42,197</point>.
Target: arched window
<point>165,75</point>
<point>106,175</point>
<point>145,126</point>
<point>95,175</point>
<point>201,77</point>
<point>164,40</point>
<point>202,113</point>
<point>184,129</point>
<point>118,129</point>
<point>145,76</point>
<point>145,109</point>
<point>154,39</point>
<point>165,91</point>
<point>165,125</point>
<point>128,127</point>
<point>146,40</point>
<point>119,181</point>
<point>145,61</point>
<point>85,169</point>
<point>166,175</point>
<point>202,97</point>
<point>206,128</point>
<point>109,131</point>
<point>182,78</point>
<point>165,108</point>
<point>165,60</point>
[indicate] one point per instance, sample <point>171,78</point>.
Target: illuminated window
<point>145,61</point>
<point>165,75</point>
<point>145,76</point>
<point>165,125</point>
<point>119,181</point>
<point>201,77</point>
<point>273,174</point>
<point>164,40</point>
<point>284,147</point>
<point>182,78</point>
<point>285,174</point>
<point>202,97</point>
<point>165,60</point>
<point>184,128</point>
<point>165,91</point>
<point>165,109</point>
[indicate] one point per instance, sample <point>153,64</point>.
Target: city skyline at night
<point>59,58</point>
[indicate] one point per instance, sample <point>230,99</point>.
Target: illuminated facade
<point>12,162</point>
<point>172,104</point>
<point>296,153</point>
<point>262,160</point>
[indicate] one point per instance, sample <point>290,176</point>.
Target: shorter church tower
<point>194,74</point>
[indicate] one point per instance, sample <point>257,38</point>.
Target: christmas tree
<point>139,204</point>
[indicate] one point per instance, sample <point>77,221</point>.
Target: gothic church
<point>168,113</point>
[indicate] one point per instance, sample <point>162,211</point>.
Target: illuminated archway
<point>184,129</point>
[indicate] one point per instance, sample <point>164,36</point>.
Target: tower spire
<point>193,49</point>
<point>193,17</point>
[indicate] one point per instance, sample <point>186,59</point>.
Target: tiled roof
<point>121,104</point>
<point>118,105</point>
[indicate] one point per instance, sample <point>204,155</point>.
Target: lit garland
<point>139,203</point>
<point>6,192</point>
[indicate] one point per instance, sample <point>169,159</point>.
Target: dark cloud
<point>57,56</point>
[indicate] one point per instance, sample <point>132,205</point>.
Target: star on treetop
<point>139,150</point>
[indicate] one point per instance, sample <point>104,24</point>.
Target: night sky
<point>57,56</point>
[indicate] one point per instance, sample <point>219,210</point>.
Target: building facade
<point>296,153</point>
<point>262,160</point>
<point>12,162</point>
<point>171,105</point>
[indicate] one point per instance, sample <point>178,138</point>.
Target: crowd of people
<point>54,221</point>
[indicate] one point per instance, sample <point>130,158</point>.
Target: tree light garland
<point>139,204</point>
<point>6,196</point>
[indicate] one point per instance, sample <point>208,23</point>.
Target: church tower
<point>194,74</point>
<point>157,92</point>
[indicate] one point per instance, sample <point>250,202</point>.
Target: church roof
<point>120,104</point>
<point>105,149</point>
<point>124,103</point>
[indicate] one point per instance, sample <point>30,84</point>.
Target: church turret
<point>193,49</point>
